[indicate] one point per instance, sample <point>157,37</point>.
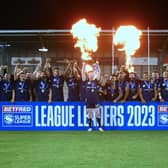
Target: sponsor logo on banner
<point>8,119</point>
<point>163,119</point>
<point>163,115</point>
<point>17,116</point>
<point>162,108</point>
<point>16,108</point>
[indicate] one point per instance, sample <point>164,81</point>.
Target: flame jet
<point>85,35</point>
<point>129,37</point>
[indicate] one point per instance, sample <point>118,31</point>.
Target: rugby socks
<point>99,122</point>
<point>90,122</point>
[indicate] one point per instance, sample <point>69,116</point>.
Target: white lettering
<point>57,117</point>
<point>37,123</point>
<point>50,117</point>
<point>120,118</point>
<point>43,116</point>
<point>138,116</point>
<point>106,116</point>
<point>80,124</point>
<point>71,116</point>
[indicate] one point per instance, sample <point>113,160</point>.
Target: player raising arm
<point>92,94</point>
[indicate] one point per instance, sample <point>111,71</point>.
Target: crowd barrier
<point>73,116</point>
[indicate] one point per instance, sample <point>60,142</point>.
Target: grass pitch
<point>111,149</point>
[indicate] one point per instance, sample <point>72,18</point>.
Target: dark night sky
<point>61,14</point>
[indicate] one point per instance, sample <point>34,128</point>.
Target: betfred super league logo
<point>8,119</point>
<point>163,115</point>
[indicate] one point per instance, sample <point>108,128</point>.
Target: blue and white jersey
<point>73,88</point>
<point>112,91</point>
<point>92,92</point>
<point>42,89</point>
<point>157,82</point>
<point>6,88</point>
<point>57,83</point>
<point>122,85</point>
<point>133,88</point>
<point>147,89</point>
<point>22,90</point>
<point>82,90</point>
<point>101,93</point>
<point>163,86</point>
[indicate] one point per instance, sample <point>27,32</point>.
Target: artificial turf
<point>77,149</point>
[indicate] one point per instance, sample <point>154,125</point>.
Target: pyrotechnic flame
<point>129,37</point>
<point>86,37</point>
<point>130,69</point>
<point>88,68</point>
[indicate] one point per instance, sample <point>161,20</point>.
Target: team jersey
<point>92,92</point>
<point>22,90</point>
<point>101,93</point>
<point>164,89</point>
<point>122,85</point>
<point>156,82</point>
<point>6,88</point>
<point>147,90</point>
<point>73,88</point>
<point>57,88</point>
<point>133,89</point>
<point>112,91</point>
<point>42,89</point>
<point>82,90</point>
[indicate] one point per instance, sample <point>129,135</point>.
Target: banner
<point>73,116</point>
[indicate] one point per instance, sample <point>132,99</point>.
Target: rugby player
<point>131,88</point>
<point>56,89</point>
<point>6,87</point>
<point>73,78</point>
<point>163,88</point>
<point>21,89</point>
<point>92,95</point>
<point>148,89</point>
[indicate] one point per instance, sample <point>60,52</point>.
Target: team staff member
<point>92,95</point>
<point>21,89</point>
<point>148,89</point>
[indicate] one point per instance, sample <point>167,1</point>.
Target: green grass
<point>112,149</point>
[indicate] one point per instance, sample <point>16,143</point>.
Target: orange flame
<point>129,36</point>
<point>86,37</point>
